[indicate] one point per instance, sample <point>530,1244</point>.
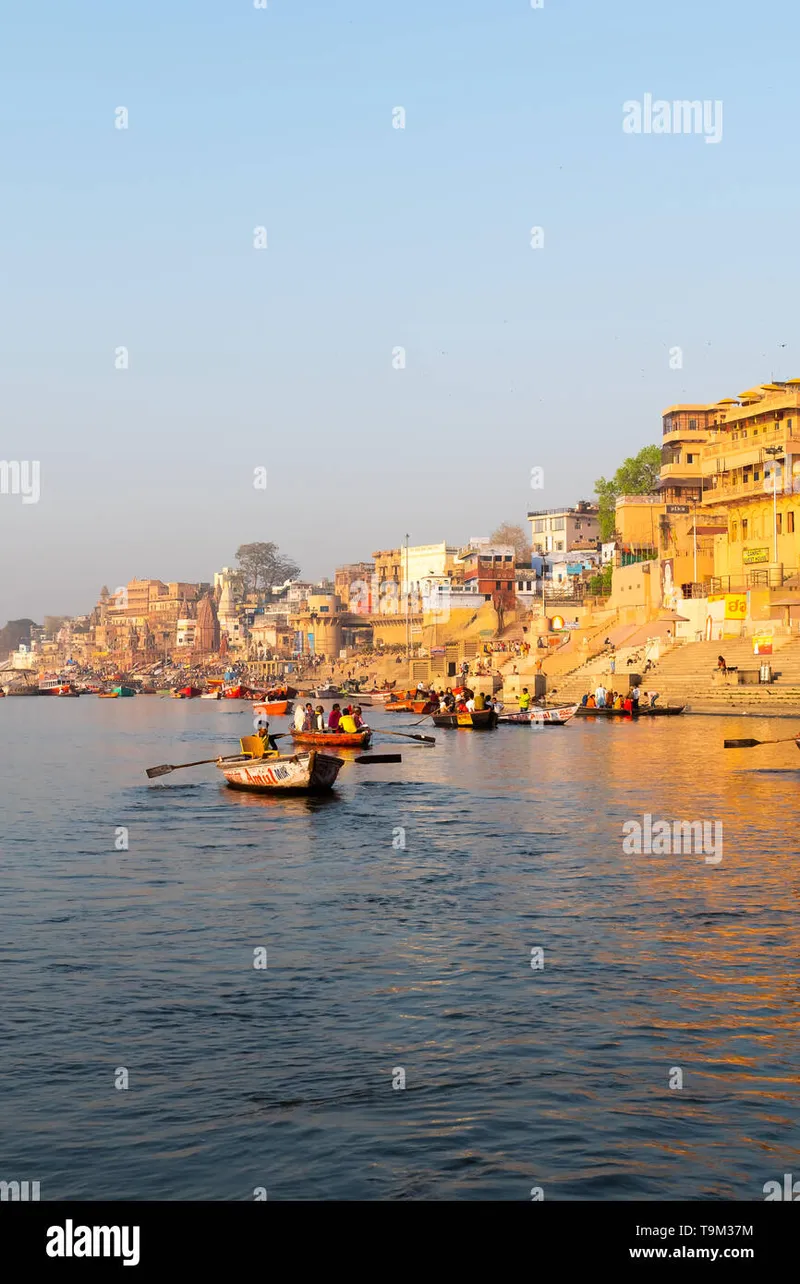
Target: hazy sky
<point>378,238</point>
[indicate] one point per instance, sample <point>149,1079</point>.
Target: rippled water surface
<point>382,957</point>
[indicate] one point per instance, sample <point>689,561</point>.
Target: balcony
<point>677,471</point>
<point>684,434</point>
<point>752,440</point>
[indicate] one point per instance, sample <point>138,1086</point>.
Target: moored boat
<point>187,693</point>
<point>327,693</point>
<point>273,708</point>
<point>306,772</point>
<point>654,711</point>
<point>335,739</point>
<point>478,720</point>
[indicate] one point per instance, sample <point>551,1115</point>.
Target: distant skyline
<point>377,239</point>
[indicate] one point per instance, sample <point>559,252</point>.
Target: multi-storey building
<point>490,569</point>
<point>730,479</point>
<point>558,530</point>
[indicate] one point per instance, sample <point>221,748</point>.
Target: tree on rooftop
<point>509,533</point>
<point>636,476</point>
<point>261,566</point>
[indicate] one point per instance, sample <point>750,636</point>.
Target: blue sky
<point>377,238</point>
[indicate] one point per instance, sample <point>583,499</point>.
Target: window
<point>538,527</point>
<point>779,523</point>
<point>557,523</point>
<point>690,459</point>
<point>693,425</point>
<point>734,531</point>
<point>744,528</point>
<point>560,546</point>
<point>790,523</point>
<point>507,557</point>
<point>497,584</point>
<point>756,475</point>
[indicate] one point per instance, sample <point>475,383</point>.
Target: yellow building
<point>727,517</point>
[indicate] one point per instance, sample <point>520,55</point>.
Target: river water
<point>651,1052</point>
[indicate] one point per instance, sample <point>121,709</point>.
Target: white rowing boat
<point>545,717</point>
<point>310,772</point>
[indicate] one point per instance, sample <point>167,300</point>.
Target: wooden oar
<point>166,767</point>
<point>366,760</point>
<point>425,740</point>
<point>751,744</point>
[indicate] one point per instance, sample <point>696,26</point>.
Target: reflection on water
<point>383,956</point>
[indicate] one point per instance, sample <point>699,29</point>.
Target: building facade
<point>558,530</point>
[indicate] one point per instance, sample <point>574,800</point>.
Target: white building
<point>557,530</point>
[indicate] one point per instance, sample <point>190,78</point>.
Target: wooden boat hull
<point>540,717</point>
<point>399,706</point>
<point>108,695</point>
<point>480,720</point>
<point>328,693</point>
<point>274,708</point>
<point>660,711</point>
<point>297,773</point>
<point>334,739</point>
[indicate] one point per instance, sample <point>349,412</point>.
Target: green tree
<point>261,566</point>
<point>508,533</point>
<point>15,632</point>
<point>636,476</point>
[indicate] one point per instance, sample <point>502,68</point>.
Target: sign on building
<point>752,555</point>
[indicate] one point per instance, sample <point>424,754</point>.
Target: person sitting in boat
<point>270,743</point>
<point>319,718</point>
<point>461,705</point>
<point>618,703</point>
<point>308,720</point>
<point>479,703</point>
<point>627,704</point>
<point>525,700</point>
<point>334,718</point>
<point>469,704</point>
<point>357,719</point>
<point>591,703</point>
<point>584,699</point>
<point>347,722</point>
<point>299,717</point>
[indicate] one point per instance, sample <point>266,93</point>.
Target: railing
<point>751,440</point>
<point>630,557</point>
<point>773,577</point>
